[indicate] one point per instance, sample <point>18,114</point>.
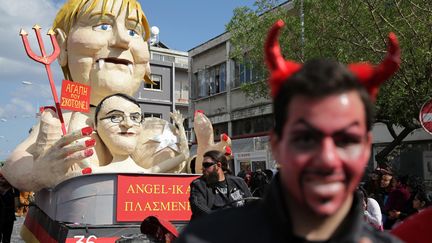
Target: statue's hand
<point>224,145</point>
<point>177,118</point>
<point>204,134</point>
<point>49,132</point>
<point>53,164</point>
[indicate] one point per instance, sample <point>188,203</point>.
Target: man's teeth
<point>327,188</point>
<point>101,63</point>
<point>130,66</point>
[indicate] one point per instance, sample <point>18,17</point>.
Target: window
<point>202,84</point>
<point>157,115</point>
<point>220,128</point>
<point>222,77</point>
<point>169,58</point>
<point>157,57</point>
<point>252,125</point>
<point>211,80</point>
<point>157,79</point>
<point>164,58</point>
<point>246,72</point>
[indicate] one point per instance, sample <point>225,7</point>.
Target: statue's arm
<point>18,169</point>
<point>44,158</point>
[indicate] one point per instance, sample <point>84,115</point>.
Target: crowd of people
<point>321,140</point>
<point>397,196</point>
<point>257,181</point>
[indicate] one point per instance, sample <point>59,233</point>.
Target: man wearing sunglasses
<point>216,189</point>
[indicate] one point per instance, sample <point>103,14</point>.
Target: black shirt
<point>205,199</point>
<point>268,220</point>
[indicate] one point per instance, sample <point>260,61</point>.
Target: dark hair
<point>258,183</point>
<point>218,156</point>
<point>241,174</point>
<point>402,179</point>
<point>362,194</point>
<point>124,96</point>
<point>423,197</point>
<point>362,190</point>
<point>317,79</point>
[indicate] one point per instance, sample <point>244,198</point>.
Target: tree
<point>348,31</point>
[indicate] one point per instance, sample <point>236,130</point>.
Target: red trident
<point>46,60</point>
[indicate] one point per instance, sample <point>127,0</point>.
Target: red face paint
<point>323,150</point>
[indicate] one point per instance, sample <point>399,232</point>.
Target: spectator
<point>372,184</point>
<point>372,211</point>
<point>385,186</point>
<point>248,178</point>
<point>7,209</point>
<point>396,202</point>
<point>215,189</point>
<point>269,174</point>
<point>421,201</point>
<point>259,183</point>
<point>321,140</point>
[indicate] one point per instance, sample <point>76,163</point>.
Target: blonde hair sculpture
<point>70,11</point>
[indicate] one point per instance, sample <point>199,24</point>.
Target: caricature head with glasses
<point>118,121</point>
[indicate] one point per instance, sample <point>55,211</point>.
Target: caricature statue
<point>102,45</point>
<point>118,123</point>
<point>160,140</point>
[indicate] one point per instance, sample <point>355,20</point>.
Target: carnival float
<point>97,167</point>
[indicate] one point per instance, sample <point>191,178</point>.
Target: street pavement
<point>16,238</point>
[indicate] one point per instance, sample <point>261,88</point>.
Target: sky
<point>24,84</point>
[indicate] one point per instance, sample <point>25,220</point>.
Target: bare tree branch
<point>404,18</point>
<point>417,6</point>
<point>361,34</point>
<point>391,129</point>
<point>381,156</point>
<point>377,26</point>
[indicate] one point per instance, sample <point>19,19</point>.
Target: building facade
<point>170,91</point>
<point>215,82</point>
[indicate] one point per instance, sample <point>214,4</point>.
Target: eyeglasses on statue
<point>117,118</point>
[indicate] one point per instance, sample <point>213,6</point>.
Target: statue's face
<point>107,51</point>
<point>119,125</point>
<point>323,150</point>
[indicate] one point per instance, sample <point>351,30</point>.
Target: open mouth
<point>101,62</point>
<point>127,134</point>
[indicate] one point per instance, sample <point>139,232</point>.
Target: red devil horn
<point>280,69</point>
<point>274,58</point>
<point>371,77</point>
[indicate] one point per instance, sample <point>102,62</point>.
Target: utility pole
<point>302,29</point>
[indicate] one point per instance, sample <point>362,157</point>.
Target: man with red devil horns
<point>322,142</point>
